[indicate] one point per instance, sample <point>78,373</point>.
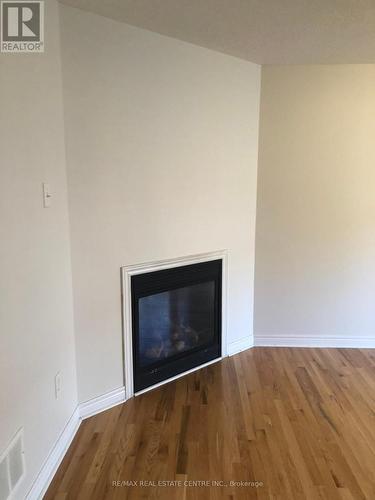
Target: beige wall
<point>162,141</point>
<point>315,238</point>
<point>36,310</point>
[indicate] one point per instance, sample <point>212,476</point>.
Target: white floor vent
<point>12,467</point>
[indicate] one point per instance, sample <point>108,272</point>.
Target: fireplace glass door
<point>176,321</point>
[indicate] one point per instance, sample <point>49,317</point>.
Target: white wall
<point>315,239</point>
<point>162,141</point>
<point>36,319</point>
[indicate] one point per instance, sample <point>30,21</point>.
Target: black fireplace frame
<point>145,284</point>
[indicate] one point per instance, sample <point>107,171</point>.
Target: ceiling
<point>262,31</point>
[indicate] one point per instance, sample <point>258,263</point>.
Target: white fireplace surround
<point>132,270</point>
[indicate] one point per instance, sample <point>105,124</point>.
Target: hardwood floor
<point>292,423</point>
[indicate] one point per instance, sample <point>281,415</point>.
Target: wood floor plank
<point>268,423</point>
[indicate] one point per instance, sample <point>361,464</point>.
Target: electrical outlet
<point>57,385</point>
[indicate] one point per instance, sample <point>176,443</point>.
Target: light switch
<point>57,385</point>
<point>47,195</point>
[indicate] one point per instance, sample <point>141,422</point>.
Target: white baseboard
<point>55,458</point>
<point>101,403</point>
<point>314,341</point>
<point>240,345</point>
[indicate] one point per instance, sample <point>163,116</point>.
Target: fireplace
<point>176,320</point>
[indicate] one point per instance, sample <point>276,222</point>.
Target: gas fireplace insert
<point>176,321</point>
